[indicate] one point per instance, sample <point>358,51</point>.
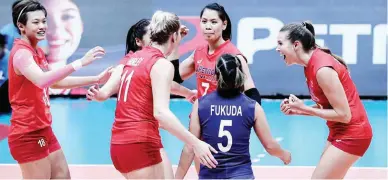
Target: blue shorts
<point>248,176</point>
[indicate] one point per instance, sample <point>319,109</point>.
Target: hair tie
<point>21,12</point>
<point>238,63</point>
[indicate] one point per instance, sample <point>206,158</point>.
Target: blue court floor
<point>83,128</point>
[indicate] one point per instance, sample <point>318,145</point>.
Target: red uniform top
<point>30,104</point>
<point>358,127</point>
<point>134,117</point>
<point>205,66</point>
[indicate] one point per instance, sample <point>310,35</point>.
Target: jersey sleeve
<point>123,61</point>
<point>323,61</point>
<point>234,50</point>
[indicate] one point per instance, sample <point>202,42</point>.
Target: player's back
<point>134,120</point>
<point>30,104</point>
<point>226,125</point>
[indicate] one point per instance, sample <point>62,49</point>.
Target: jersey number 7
<point>206,86</point>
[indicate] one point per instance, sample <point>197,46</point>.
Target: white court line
<point>261,155</point>
<point>278,139</point>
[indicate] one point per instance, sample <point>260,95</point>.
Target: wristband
<point>177,76</point>
<point>77,64</point>
<point>254,94</point>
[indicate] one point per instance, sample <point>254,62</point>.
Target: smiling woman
<point>336,96</point>
<point>64,31</point>
<point>31,140</point>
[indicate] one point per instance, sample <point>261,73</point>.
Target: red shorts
<point>130,157</point>
<point>34,145</point>
<point>356,147</point>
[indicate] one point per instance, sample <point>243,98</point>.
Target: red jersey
<point>134,116</point>
<point>30,104</point>
<point>358,127</point>
<point>205,66</point>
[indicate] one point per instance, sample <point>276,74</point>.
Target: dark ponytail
<point>310,27</point>
<point>230,77</point>
<point>338,58</point>
<point>137,30</point>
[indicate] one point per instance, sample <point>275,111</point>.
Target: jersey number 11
<point>127,80</point>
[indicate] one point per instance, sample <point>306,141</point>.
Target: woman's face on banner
<point>65,29</point>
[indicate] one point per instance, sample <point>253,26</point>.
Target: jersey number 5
<point>127,80</point>
<point>222,133</point>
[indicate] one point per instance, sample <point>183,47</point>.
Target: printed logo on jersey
<point>311,89</point>
<point>134,61</point>
<point>206,73</point>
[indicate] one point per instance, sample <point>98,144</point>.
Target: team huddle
<point>226,103</point>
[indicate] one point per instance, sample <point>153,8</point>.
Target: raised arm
<point>177,89</point>
<point>25,65</point>
<point>79,81</point>
<point>110,87</point>
<point>161,78</point>
<point>331,86</point>
<point>187,67</point>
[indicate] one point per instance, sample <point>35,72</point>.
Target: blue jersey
<point>226,125</point>
<point>4,67</point>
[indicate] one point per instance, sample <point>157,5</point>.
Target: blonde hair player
<point>143,83</point>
